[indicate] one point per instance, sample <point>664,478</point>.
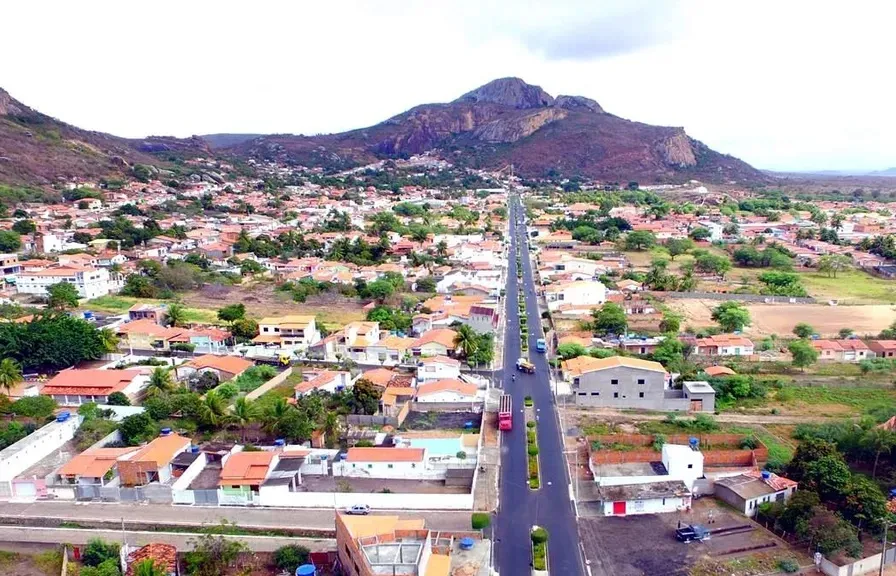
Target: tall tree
<point>610,319</point>
<point>160,381</point>
<point>177,314</point>
<point>731,316</point>
<point>466,340</point>
<point>804,354</point>
<point>62,295</point>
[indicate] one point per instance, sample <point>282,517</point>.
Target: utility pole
<point>883,552</point>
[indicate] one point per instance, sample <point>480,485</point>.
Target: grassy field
<point>853,287</point>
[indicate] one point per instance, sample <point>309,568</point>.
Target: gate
<point>132,494</point>
<point>87,492</point>
<point>206,497</point>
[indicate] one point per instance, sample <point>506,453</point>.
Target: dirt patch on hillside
<point>261,299</point>
<point>781,318</point>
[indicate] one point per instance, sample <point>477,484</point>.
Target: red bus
<point>505,413</point>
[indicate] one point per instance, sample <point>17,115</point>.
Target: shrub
<point>480,520</point>
<point>530,436</point>
<point>539,536</point>
<point>291,557</point>
<point>228,390</point>
<point>748,443</point>
<point>528,401</point>
<point>98,552</point>
<point>530,424</point>
<point>532,450</point>
<point>789,565</point>
<point>38,407</point>
<point>461,455</point>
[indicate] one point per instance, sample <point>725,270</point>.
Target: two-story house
<point>288,332</point>
<point>578,294</point>
<point>618,381</point>
<point>437,368</point>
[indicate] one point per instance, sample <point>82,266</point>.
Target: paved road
<point>30,534</point>
<point>550,506</point>
<point>314,519</point>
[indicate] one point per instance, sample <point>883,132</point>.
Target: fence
<point>447,406</point>
<point>863,566</point>
<point>705,440</point>
<point>270,384</point>
<point>711,457</point>
<point>281,497</point>
<point>761,298</point>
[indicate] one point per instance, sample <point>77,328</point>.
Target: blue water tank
<point>166,431</point>
<point>88,314</point>
<point>279,442</point>
<point>194,449</point>
<point>693,442</point>
<point>306,570</point>
<point>63,416</point>
<point>468,425</point>
<point>466,543</point>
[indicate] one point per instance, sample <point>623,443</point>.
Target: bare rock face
<point>677,150</point>
<point>8,106</point>
<point>578,104</point>
<point>512,92</point>
<point>513,129</point>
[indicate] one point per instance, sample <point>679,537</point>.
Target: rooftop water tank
<point>306,570</point>
<point>194,449</point>
<point>166,431</point>
<point>466,543</point>
<point>279,442</point>
<point>766,474</point>
<point>63,416</point>
<point>693,442</point>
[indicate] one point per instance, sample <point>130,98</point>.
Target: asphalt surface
<point>549,506</point>
<point>310,519</point>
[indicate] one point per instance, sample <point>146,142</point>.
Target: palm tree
<point>10,374</point>
<point>331,429</point>
<point>109,340</point>
<point>160,381</point>
<point>177,314</point>
<point>274,414</point>
<point>466,340</point>
<point>213,410</point>
<point>148,567</point>
<point>879,441</point>
<point>244,413</point>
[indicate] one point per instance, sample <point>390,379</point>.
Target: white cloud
<point>784,85</point>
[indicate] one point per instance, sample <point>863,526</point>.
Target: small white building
<point>748,491</point>
<point>403,463</point>
<point>33,448</point>
<point>649,487</point>
<point>447,390</point>
<point>89,281</point>
<point>579,293</point>
<point>437,368</point>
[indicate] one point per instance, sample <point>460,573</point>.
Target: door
<point>618,508</point>
<point>697,405</point>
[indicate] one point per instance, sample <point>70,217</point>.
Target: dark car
<point>692,533</point>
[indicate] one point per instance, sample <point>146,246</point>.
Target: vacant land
<point>47,563</point>
<point>781,318</point>
<point>853,286</point>
<point>260,299</point>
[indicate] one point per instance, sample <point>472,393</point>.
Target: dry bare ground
<point>262,300</point>
<point>781,318</point>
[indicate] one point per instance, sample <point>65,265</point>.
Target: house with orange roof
<point>383,462</point>
<point>439,342</point>
<point>74,387</point>
<point>437,368</point>
<point>224,367</point>
<point>243,474</point>
<point>724,345</point>
<point>390,349</point>
<point>447,390</point>
<point>153,462</point>
<point>146,335</point>
<point>325,380</point>
<point>845,350</point>
<point>883,348</point>
<point>94,467</point>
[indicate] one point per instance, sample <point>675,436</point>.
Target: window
<point>615,394</point>
<point>614,382</point>
<point>413,464</point>
<point>779,497</point>
<point>390,466</point>
<point>353,465</point>
<point>583,393</point>
<point>640,394</point>
<point>640,381</point>
<point>370,466</point>
<point>575,381</point>
<point>664,501</point>
<point>690,466</point>
<point>595,393</point>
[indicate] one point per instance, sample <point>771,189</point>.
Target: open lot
<point>26,562</point>
<point>781,318</point>
<point>645,544</point>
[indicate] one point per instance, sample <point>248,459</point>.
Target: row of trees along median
<point>532,445</point>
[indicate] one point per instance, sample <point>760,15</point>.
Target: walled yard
<point>361,486</point>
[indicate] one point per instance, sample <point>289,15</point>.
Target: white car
<point>358,509</point>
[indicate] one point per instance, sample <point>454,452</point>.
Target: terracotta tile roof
<point>584,364</point>
<point>162,555</point>
<point>777,483</point>
<point>385,455</point>
<point>246,468</point>
<point>719,371</point>
<point>443,336</point>
<point>293,319</point>
<point>92,382</point>
<point>94,463</point>
<point>161,450</point>
<point>231,364</point>
<point>446,384</point>
<point>379,376</point>
<point>440,360</point>
<point>322,379</point>
<point>724,340</point>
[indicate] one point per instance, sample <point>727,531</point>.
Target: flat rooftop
<point>669,489</point>
<point>629,469</point>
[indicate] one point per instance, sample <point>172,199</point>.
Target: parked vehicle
<point>541,345</point>
<point>692,533</point>
<point>358,510</point>
<point>505,413</point>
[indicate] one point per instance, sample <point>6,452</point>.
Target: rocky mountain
<point>38,150</point>
<point>510,122</point>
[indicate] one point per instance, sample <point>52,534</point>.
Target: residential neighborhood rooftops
<point>440,360</point>
<point>161,450</point>
<point>752,484</point>
<point>230,364</point>
<point>294,319</point>
<point>89,382</point>
<point>94,463</point>
<point>719,371</point>
<point>446,384</point>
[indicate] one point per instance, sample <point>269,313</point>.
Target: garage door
<point>25,489</point>
<point>619,508</point>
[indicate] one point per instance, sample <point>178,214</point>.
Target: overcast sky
<point>781,84</point>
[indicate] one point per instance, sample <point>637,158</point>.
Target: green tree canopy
<point>731,316</point>
<point>610,319</point>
